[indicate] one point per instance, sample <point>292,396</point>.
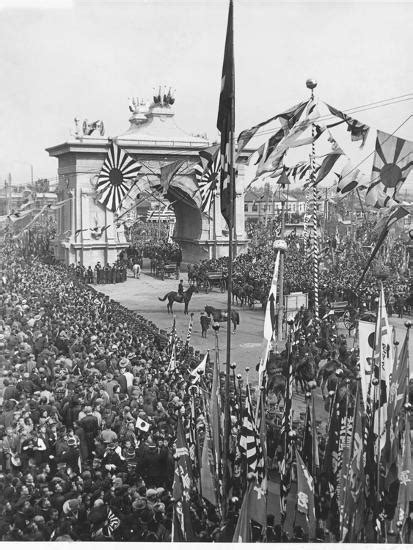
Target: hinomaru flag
<point>270,312</point>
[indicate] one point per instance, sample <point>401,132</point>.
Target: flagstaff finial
<point>311,83</point>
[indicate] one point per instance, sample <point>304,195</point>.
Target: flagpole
<point>311,85</point>
<point>231,144</point>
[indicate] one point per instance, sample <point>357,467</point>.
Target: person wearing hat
<point>91,427</point>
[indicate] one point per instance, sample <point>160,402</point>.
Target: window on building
<point>255,207</point>
<point>245,207</point>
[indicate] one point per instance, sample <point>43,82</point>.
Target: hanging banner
<point>366,339</point>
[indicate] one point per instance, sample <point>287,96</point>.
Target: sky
<point>65,58</point>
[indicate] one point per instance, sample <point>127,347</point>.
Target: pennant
<point>199,370</point>
<point>226,124</point>
<point>283,179</point>
<point>279,143</point>
<point>117,171</point>
<point>270,312</point>
<point>207,175</point>
<point>287,119</point>
<point>393,161</point>
<point>329,160</point>
<point>394,216</point>
<point>305,495</point>
<point>358,130</point>
<point>351,178</point>
<point>172,334</point>
<point>168,172</point>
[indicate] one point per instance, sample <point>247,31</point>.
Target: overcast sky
<point>86,58</point>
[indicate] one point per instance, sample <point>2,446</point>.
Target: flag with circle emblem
<point>207,175</point>
<point>116,177</point>
<point>393,160</point>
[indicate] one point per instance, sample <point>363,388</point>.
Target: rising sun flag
<point>392,163</point>
<point>116,177</point>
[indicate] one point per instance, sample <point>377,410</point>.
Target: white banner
<point>270,312</point>
<point>366,343</point>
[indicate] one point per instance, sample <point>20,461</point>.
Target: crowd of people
<point>92,401</point>
<point>101,274</point>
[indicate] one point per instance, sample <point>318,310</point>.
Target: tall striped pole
<point>311,84</point>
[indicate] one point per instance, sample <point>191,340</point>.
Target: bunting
<point>358,130</point>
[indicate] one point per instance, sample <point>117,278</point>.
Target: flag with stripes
<point>226,124</point>
<point>392,163</point>
<point>305,496</point>
<point>207,175</point>
<point>189,331</point>
<point>172,334</point>
<point>116,177</point>
<point>250,443</point>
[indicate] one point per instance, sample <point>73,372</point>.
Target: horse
<point>179,298</point>
<point>136,271</point>
<point>220,315</point>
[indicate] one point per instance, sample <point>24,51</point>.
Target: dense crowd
<point>100,274</point>
<point>341,264</point>
<point>92,401</point>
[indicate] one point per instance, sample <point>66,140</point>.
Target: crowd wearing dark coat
<point>83,378</point>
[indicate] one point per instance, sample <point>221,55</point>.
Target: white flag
<point>270,312</point>
<point>200,369</point>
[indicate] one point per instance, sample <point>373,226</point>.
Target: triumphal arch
<point>154,139</point>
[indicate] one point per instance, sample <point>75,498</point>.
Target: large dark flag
<point>305,495</point>
<point>168,172</point>
<point>226,123</point>
<point>394,216</point>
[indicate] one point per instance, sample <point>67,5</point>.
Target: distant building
<point>259,204</point>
